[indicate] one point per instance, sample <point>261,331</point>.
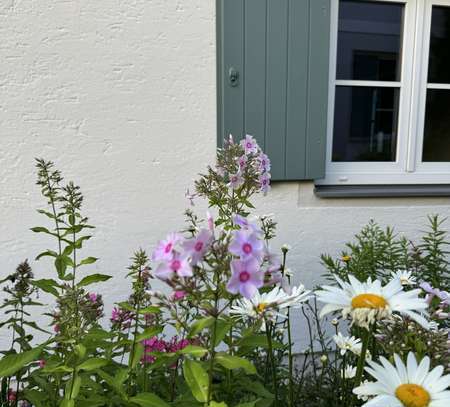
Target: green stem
<point>272,362</point>
<point>362,358</point>
<point>212,352</point>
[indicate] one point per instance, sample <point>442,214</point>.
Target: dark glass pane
<point>436,142</point>
<point>369,40</point>
<point>365,124</point>
<point>439,65</point>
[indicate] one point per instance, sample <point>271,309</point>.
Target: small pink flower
<point>177,265</point>
<point>178,295</point>
<point>264,163</point>
<point>165,248</point>
<point>244,223</point>
<point>198,245</point>
<point>210,220</point>
<point>249,145</point>
<point>12,395</point>
<point>242,162</point>
<point>56,328</point>
<point>93,297</point>
<point>246,277</point>
<point>246,244</point>
<point>42,363</point>
<point>236,180</point>
<point>264,182</point>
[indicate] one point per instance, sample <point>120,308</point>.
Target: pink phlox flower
<point>242,162</point>
<point>246,224</point>
<point>210,221</point>
<point>177,265</point>
<point>178,295</point>
<point>249,145</point>
<point>236,180</point>
<point>264,182</point>
<point>176,344</point>
<point>198,245</point>
<point>93,297</point>
<point>264,163</point>
<point>42,363</point>
<point>246,244</point>
<point>246,277</point>
<point>12,395</point>
<point>165,248</point>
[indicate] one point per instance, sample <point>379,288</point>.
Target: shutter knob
<point>233,77</point>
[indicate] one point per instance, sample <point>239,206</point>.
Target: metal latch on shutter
<point>233,77</point>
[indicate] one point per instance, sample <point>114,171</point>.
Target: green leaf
<point>93,278</point>
<point>67,403</point>
<point>40,229</point>
<point>200,325</point>
<point>223,327</point>
<point>150,310</point>
<point>148,400</point>
<point>197,379</point>
<point>148,333</point>
<point>137,354</point>
<point>61,266</point>
<point>49,253</point>
<point>235,362</point>
<point>88,260</point>
<point>258,341</point>
<point>193,350</point>
<point>216,404</point>
<point>92,364</point>
<point>10,364</point>
<point>248,404</point>
<point>79,243</point>
<point>48,285</point>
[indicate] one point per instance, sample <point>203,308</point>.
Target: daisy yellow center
<point>371,301</point>
<point>412,395</point>
<point>261,307</point>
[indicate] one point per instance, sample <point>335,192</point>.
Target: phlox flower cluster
<point>253,159</point>
<point>158,345</point>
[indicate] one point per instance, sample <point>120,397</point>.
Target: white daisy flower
<point>270,303</point>
<point>405,277</point>
<point>348,343</point>
<point>368,302</point>
<point>349,372</point>
<point>412,385</point>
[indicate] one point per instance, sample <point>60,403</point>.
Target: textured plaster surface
<point>121,95</point>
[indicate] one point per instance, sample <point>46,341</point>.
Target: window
<point>389,93</point>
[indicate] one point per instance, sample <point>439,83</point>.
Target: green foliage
<point>377,252</point>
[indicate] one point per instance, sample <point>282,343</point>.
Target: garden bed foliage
<point>221,334</point>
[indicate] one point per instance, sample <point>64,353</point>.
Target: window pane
<point>439,71</point>
<point>369,40</point>
<point>365,124</point>
<point>436,142</point>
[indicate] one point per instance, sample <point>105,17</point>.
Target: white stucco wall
<point>121,95</point>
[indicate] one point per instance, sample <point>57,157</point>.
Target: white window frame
<point>407,168</point>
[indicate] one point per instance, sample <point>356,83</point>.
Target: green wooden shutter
<point>280,51</point>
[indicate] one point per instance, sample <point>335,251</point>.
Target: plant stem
<point>212,352</point>
<point>362,358</point>
<point>272,361</point>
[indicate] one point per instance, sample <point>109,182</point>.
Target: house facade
<point>350,99</point>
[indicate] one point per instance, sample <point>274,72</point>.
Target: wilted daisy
<point>368,302</point>
<point>269,304</point>
<point>405,277</point>
<point>348,343</point>
<point>406,386</point>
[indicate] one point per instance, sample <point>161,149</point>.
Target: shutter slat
<point>233,57</point>
<point>319,40</point>
<point>255,69</point>
<point>276,83</point>
<point>297,107</point>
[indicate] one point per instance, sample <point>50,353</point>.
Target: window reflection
<point>439,64</point>
<point>369,40</point>
<point>365,124</point>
